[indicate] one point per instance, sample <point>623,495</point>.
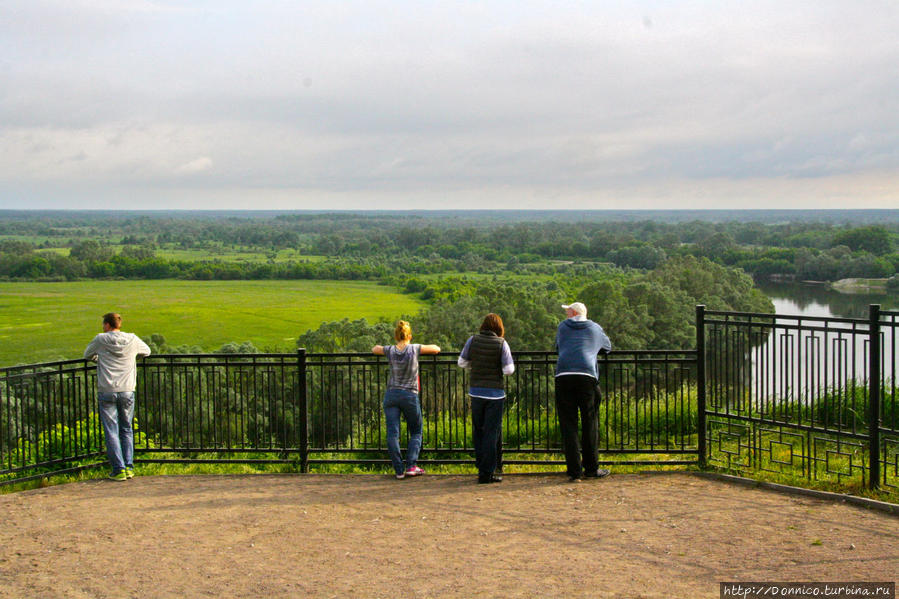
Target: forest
<point>641,277</point>
<point>71,246</point>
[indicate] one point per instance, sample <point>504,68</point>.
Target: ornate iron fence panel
<point>788,394</point>
<point>889,400</point>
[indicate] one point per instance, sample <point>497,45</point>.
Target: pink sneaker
<point>414,471</point>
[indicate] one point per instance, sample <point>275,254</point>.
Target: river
<point>817,300</point>
<point>803,364</point>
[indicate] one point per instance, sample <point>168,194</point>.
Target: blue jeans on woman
<point>116,413</point>
<point>402,402</point>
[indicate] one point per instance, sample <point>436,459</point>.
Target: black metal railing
<point>783,394</point>
<point>326,408</point>
<point>650,407</point>
<point>790,394</point>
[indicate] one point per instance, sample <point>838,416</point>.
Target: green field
<point>223,254</point>
<point>42,322</point>
<point>226,254</point>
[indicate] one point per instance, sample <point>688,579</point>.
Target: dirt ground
<point>630,535</point>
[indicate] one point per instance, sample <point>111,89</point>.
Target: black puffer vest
<point>486,356</point>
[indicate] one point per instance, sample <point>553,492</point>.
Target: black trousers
<point>577,394</point>
<point>486,433</point>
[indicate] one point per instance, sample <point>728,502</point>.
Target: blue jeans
<point>402,402</point>
<point>116,413</point>
<point>486,434</point>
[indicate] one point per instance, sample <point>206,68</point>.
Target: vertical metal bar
<point>700,383</point>
<point>304,412</point>
<point>874,383</point>
<point>5,406</point>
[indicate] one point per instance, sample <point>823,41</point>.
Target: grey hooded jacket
<point>115,353</point>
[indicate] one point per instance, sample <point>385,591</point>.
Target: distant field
<point>223,254</point>
<point>234,255</point>
<point>42,322</point>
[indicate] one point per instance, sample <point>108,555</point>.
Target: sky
<point>413,105</point>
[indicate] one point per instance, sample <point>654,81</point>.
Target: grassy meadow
<point>221,253</point>
<point>42,322</point>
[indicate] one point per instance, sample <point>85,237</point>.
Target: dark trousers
<point>487,424</point>
<point>577,393</point>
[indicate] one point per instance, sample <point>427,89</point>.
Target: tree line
<point>639,310</point>
<point>371,246</point>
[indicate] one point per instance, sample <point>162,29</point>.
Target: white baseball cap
<point>577,307</point>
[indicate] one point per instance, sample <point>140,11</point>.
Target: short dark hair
<point>113,319</point>
<point>492,322</point>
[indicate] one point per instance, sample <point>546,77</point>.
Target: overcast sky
<point>138,104</point>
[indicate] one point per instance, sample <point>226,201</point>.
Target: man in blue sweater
<point>578,342</point>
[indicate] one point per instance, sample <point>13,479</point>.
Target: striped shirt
<point>403,366</point>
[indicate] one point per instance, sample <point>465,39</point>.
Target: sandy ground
<point>634,535</point>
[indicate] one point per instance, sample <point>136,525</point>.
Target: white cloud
<point>197,165</point>
<point>489,100</point>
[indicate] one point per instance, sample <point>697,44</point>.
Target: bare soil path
<point>630,535</point>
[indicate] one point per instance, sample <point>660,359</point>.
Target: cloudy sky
<point>139,104</point>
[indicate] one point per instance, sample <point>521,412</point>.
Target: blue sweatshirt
<point>579,342</point>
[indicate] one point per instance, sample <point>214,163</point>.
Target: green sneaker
<point>118,475</point>
<point>129,471</point>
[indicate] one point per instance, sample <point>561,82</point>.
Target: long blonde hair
<point>403,331</point>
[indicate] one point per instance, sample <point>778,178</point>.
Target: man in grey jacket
<point>115,353</point>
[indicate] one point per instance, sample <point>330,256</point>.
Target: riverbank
<point>860,285</point>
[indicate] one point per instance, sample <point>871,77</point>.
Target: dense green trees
<point>875,240</point>
<point>653,310</point>
<point>377,244</point>
<point>374,245</point>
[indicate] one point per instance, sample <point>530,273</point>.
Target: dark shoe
<point>575,479</point>
<point>600,473</point>
<point>497,476</point>
<point>486,480</point>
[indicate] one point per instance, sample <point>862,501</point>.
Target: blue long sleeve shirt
<point>579,342</point>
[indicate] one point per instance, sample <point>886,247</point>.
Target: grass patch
<point>41,322</point>
<point>382,467</point>
<point>235,254</point>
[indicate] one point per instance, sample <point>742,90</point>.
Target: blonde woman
<point>401,397</point>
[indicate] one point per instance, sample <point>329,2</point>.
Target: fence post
<point>700,383</point>
<point>304,411</point>
<point>874,383</point>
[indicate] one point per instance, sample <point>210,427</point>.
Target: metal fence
<point>326,408</point>
<point>798,394</point>
<point>782,394</point>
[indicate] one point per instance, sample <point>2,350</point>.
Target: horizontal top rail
<point>73,362</point>
<point>858,327</point>
<point>211,359</point>
<point>776,317</point>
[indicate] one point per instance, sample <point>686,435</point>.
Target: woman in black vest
<point>488,356</point>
